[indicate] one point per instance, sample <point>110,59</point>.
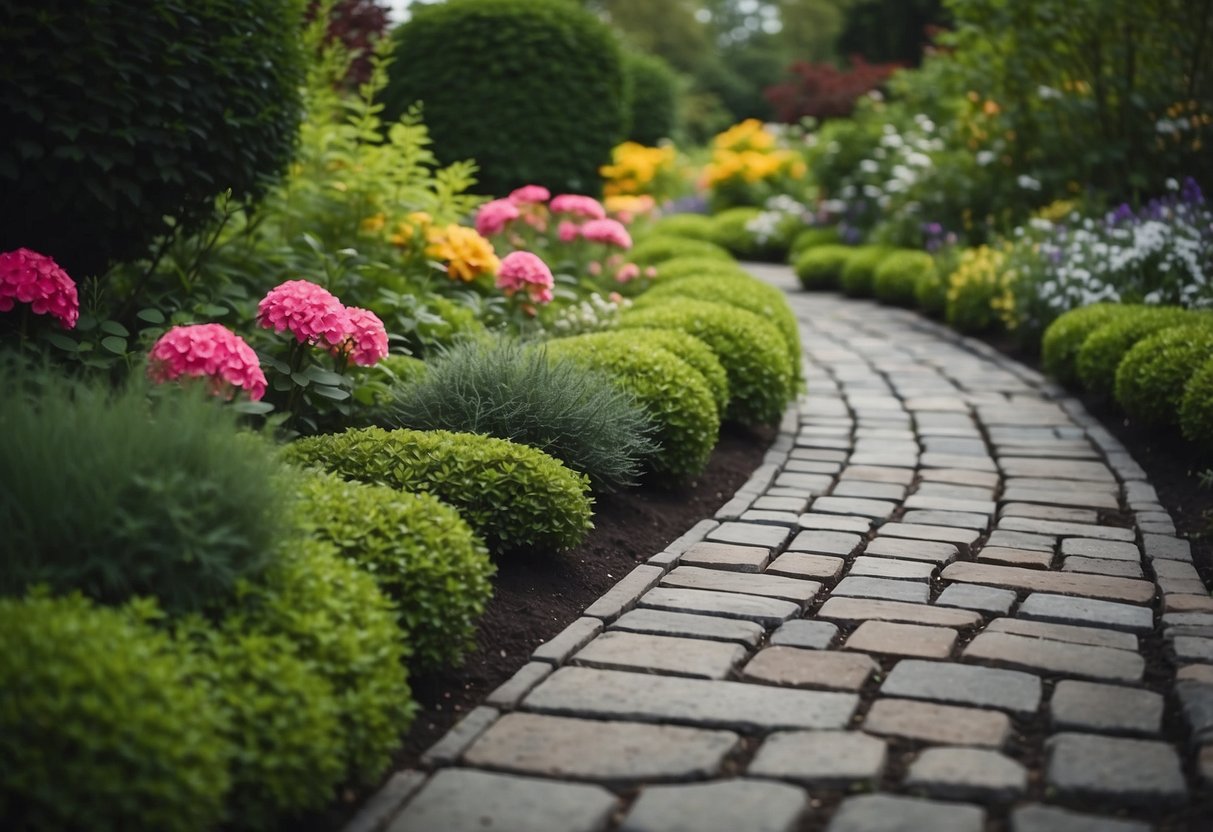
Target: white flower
<point>869,166</point>
<point>985,157</point>
<point>1027,182</point>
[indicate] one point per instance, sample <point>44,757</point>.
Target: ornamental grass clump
<point>1151,378</point>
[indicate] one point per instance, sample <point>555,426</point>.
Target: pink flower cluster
<point>367,339</point>
<point>33,278</point>
<point>493,217</point>
<point>578,205</point>
<point>522,271</point>
<point>313,314</point>
<point>210,351</point>
<point>530,195</point>
<point>609,232</point>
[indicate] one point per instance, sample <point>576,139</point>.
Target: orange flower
<point>467,254</point>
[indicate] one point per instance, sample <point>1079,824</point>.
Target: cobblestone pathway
<point>949,601</point>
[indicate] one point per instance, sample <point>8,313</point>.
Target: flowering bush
<point>467,254</point>
<point>979,291</point>
<point>823,91</point>
<point>636,170</point>
<point>748,164</point>
<point>492,217</point>
<point>29,277</point>
<point>209,351</point>
<point>366,339</point>
<point>523,272</point>
<point>310,312</point>
<point>579,206</point>
<point>608,232</point>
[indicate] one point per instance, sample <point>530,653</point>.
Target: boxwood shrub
<point>1151,378</point>
<point>692,226</point>
<point>729,230</point>
<point>1064,337</point>
<point>820,267</point>
<point>898,276</point>
<point>512,495</point>
<point>420,552</point>
<point>762,379</point>
<point>681,267</point>
<point>1103,350</point>
<point>672,392</point>
<point>858,276</point>
<point>101,726</point>
<point>1196,408</point>
<point>811,238</point>
<point>931,292</point>
<point>691,350</point>
<point>533,90</point>
<point>654,250</point>
<point>652,101</point>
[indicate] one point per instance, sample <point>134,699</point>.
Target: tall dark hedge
<point>533,90</point>
<point>653,111</point>
<point>117,113</point>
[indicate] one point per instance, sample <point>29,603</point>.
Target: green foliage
<point>106,493</point>
<point>506,390</point>
<point>512,495</point>
<point>979,290</point>
<point>654,250</point>
<point>1065,336</point>
<point>811,238</point>
<point>901,273</point>
<point>693,226</point>
<point>531,89</point>
<point>152,110</point>
<point>820,267</point>
<point>694,352</point>
<point>859,274</point>
<point>1102,351</point>
<point>680,267</point>
<point>755,357</point>
<point>420,552</point>
<point>100,725</point>
<point>671,391</point>
<point>402,369</point>
<point>1151,378</point>
<point>344,628</point>
<point>1196,407</point>
<point>729,230</point>
<point>653,100</point>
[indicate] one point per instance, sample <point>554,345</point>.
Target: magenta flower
<point>310,312</point>
<point>522,271</point>
<point>33,278</point>
<point>210,351</point>
<point>493,217</point>
<point>610,232</point>
<point>529,195</point>
<point>366,341</point>
<point>581,206</point>
<point>568,231</point>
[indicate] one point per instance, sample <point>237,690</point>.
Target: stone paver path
<point>949,600</point>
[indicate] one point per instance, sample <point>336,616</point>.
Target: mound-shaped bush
<point>1151,378</point>
<point>506,390</point>
<point>653,99</point>
<point>858,276</point>
<point>820,267</point>
<point>654,250</point>
<point>731,228</point>
<point>100,725</point>
<point>692,226</point>
<point>762,379</point>
<point>931,292</point>
<point>674,395</point>
<point>420,552</point>
<point>120,498</point>
<point>898,276</point>
<point>1196,408</point>
<point>1064,337</point>
<point>153,109</point>
<point>691,350</point>
<point>512,495</point>
<point>402,369</point>
<point>811,238</point>
<point>682,267</point>
<point>1102,351</point>
<point>533,90</point>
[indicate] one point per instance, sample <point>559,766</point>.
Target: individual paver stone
<point>918,531</point>
<point>903,639</point>
<point>835,523</point>
<point>1166,547</point>
<point>810,668</point>
<point>714,628</point>
<point>879,567</point>
<point>1114,770</point>
<point>1052,819</point>
<point>968,774</point>
<point>460,736</point>
<point>940,724</point>
<point>1104,549</point>
<point>383,805</point>
<point>1057,657</point>
<point>623,752</point>
<point>1068,583</point>
<point>1063,609</point>
<point>862,609</point>
<point>1097,566</point>
<point>610,694</point>
<point>511,691</point>
<point>623,595</point>
<point>718,580</point>
<point>826,759</point>
<point>892,813</point>
<point>460,799</point>
<point>804,565</point>
<point>1065,529</point>
<point>752,805</point>
<point>1064,632</point>
<point>1087,706</point>
<point>750,534</point>
<point>976,597</point>
<point>825,542</point>
<point>726,556</point>
<point>909,591</point>
<point>1016,557</point>
<point>958,519</point>
<point>725,604</point>
<point>962,684</point>
<point>567,641</point>
<point>876,509</point>
<point>898,547</point>
<point>662,654</point>
<point>800,632</point>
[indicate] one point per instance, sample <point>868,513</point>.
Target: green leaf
<point>212,310</point>
<point>334,393</point>
<point>150,315</point>
<point>323,376</point>
<point>253,408</point>
<point>300,379</point>
<point>114,344</point>
<point>115,328</point>
<point>62,342</point>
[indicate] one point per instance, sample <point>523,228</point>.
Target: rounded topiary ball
<point>858,276</point>
<point>533,90</point>
<point>898,276</point>
<point>1196,407</point>
<point>1151,378</point>
<point>1064,337</point>
<point>820,267</point>
<point>1103,350</point>
<point>118,113</point>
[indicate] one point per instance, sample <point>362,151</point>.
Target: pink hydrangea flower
<point>210,351</point>
<point>366,342</point>
<point>568,231</point>
<point>610,232</point>
<point>595,268</point>
<point>529,194</point>
<point>310,312</point>
<point>578,205</point>
<point>650,272</point>
<point>627,272</point>
<point>33,278</point>
<point>493,217</point>
<point>522,271</point>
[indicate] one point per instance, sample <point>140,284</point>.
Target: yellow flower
<point>467,254</point>
<point>373,224</point>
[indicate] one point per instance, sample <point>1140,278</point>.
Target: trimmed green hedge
<point>652,102</point>
<point>1065,336</point>
<point>762,379</point>
<point>1151,378</point>
<point>683,267</point>
<point>1103,350</point>
<point>811,238</point>
<point>691,350</point>
<point>653,250</point>
<point>1196,408</point>
<point>512,495</point>
<point>729,230</point>
<point>420,552</point>
<point>899,275</point>
<point>820,267</point>
<point>692,226</point>
<point>858,276</point>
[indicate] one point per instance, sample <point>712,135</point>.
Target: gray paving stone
<point>611,694</point>
<point>907,461</point>
<point>702,659</point>
<point>967,774</point>
<point>800,632</point>
<point>961,684</point>
<point>624,594</point>
<point>811,466</point>
<point>623,752</point>
<point>868,490</point>
<point>876,509</point>
<point>825,542</point>
<point>1016,557</point>
<point>890,590</point>
<point>794,667</point>
<point>876,473</point>
<point>819,455</point>
<point>1064,609</point>
<point>1038,818</point>
<point>1114,770</point>
<point>975,597</point>
<point>752,805</point>
<point>1095,566</point>
<point>1004,539</point>
<point>1166,547</point>
<point>892,813</point>
<point>1174,569</point>
<point>770,518</point>
<point>1083,661</point>
<point>822,759</point>
<point>1196,702</point>
<point>957,476</point>
<point>726,604</point>
<point>510,692</point>
<point>1105,549</point>
<point>1075,498</point>
<point>807,566</point>
<point>726,556</point>
<point>379,810</point>
<point>947,491</point>
<point>1071,583</point>
<point>937,724</point>
<point>928,502</point>
<point>1061,514</point>
<point>765,585</point>
<point>1064,529</point>
<point>925,550</point>
<point>881,567</point>
<point>1056,469</point>
<point>782,491</point>
<point>1191,649</point>
<point>1064,632</point>
<point>713,628</point>
<point>864,609</point>
<point>897,639</point>
<point>691,536</point>
<point>750,534</point>
<point>934,459</point>
<point>794,504</point>
<point>1085,706</point>
<point>957,519</point>
<point>460,736</point>
<point>568,641</point>
<point>836,523</point>
<point>459,800</point>
<point>915,531</point>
